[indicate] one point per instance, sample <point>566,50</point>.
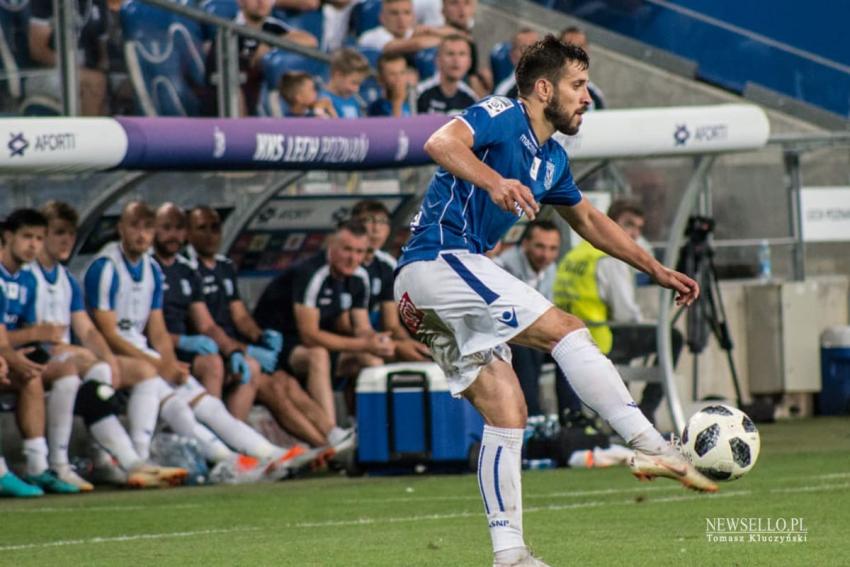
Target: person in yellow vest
<point>599,290</point>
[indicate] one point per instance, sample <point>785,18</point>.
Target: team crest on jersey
<point>185,287</point>
<point>410,315</point>
<point>345,301</point>
<point>549,177</point>
<point>496,105</point>
<point>228,286</point>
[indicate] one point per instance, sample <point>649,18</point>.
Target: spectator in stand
<point>600,290</point>
<point>460,16</point>
<point>522,40</point>
<point>255,14</point>
<point>320,305</point>
<point>395,78</point>
<point>532,261</point>
<point>446,93</point>
<point>91,54</point>
<point>576,36</point>
<point>298,91</point>
<point>398,32</point>
<point>348,70</point>
<point>383,310</point>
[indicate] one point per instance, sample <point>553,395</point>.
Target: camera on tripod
<point>699,228</point>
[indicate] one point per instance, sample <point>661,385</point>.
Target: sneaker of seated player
<point>69,475</point>
<point>241,469</point>
<point>344,443</point>
<point>11,485</point>
<point>106,470</point>
<point>283,465</point>
<point>670,464</point>
<point>48,481</point>
<point>147,475</point>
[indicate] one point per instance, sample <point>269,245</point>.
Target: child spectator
<point>395,78</point>
<point>348,69</point>
<point>298,90</point>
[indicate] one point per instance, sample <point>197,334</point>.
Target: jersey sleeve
<point>76,294</point>
<point>492,120</point>
<point>101,285</point>
<point>304,289</point>
<point>564,191</point>
<point>157,298</point>
<point>197,286</point>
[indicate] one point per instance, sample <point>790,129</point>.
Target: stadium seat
<point>226,9</point>
<point>311,21</point>
<point>365,16</point>
<point>14,51</point>
<point>500,61</point>
<point>277,62</point>
<point>164,59</point>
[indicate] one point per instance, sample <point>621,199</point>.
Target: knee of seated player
<point>318,357</point>
<point>208,368</point>
<point>133,371</point>
<point>30,389</point>
<point>59,369</point>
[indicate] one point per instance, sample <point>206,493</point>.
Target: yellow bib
<point>576,292</point>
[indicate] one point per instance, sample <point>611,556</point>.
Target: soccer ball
<point>722,442</point>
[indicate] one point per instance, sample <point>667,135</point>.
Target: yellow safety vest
<point>576,292</point>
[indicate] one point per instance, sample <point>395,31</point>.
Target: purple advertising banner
<point>290,143</point>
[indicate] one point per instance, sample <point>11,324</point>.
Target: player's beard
<point>562,121</point>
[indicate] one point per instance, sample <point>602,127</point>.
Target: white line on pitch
<point>531,510</point>
<point>812,488</point>
<point>121,539</point>
<point>117,508</point>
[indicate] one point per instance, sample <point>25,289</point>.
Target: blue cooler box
<point>406,415</point>
<point>834,398</point>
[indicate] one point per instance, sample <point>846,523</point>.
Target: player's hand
<point>272,339</point>
<point>23,369</point>
<point>512,196</point>
<point>412,350</point>
<point>238,365</point>
<point>687,290</point>
<point>175,371</point>
<point>380,344</point>
<point>198,344</point>
<point>50,333</point>
<point>4,372</point>
<point>266,357</point>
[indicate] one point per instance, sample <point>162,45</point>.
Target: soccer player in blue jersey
<point>498,161</point>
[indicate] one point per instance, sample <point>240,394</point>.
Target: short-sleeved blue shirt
<point>19,289</point>
<point>458,215</point>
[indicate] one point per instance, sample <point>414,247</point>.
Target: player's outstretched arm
<point>451,148</point>
<point>606,235</point>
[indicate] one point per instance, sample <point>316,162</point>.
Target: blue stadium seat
<point>277,62</point>
<point>14,50</point>
<point>500,61</point>
<point>226,9</point>
<point>164,59</point>
<point>365,16</point>
<point>426,63</point>
<point>311,21</point>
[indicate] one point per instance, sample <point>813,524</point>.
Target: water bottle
<point>765,267</point>
<point>533,464</point>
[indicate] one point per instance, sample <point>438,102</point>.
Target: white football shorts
<point>465,308</point>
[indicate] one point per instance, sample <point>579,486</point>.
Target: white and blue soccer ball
<point>722,442</point>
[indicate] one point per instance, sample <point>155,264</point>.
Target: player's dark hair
<point>354,226</point>
<point>388,58</point>
<point>625,205</point>
<point>60,210</point>
<point>347,61</point>
<point>545,60</point>
<point>20,218</point>
<point>367,206</point>
<point>140,209</point>
<point>571,30</point>
<point>544,225</point>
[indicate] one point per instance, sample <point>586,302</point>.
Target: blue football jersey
<point>19,289</point>
<point>346,107</point>
<point>457,215</point>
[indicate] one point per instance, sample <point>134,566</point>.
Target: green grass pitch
<point>573,517</point>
